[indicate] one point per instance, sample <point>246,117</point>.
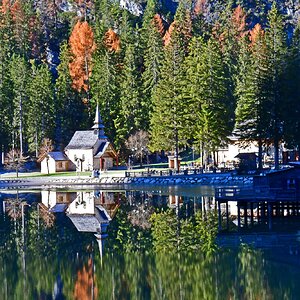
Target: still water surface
<point>92,244</point>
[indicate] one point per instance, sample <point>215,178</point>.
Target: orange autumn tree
<point>5,7</point>
<point>82,46</point>
<point>181,26</point>
<point>85,288</point>
<point>112,41</point>
<point>159,25</point>
<point>200,7</point>
<point>256,33</point>
<point>239,21</point>
<point>16,19</point>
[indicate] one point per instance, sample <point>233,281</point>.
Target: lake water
<point>92,244</point>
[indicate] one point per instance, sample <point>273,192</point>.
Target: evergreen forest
<point>188,73</point>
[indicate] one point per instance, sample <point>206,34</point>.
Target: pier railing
<point>170,172</point>
<point>260,193</point>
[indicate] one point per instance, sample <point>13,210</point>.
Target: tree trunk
<point>36,144</point>
<point>177,150</point>
<point>21,126</point>
<point>215,159</point>
<point>276,152</point>
<point>260,165</point>
<point>202,155</point>
<point>47,160</point>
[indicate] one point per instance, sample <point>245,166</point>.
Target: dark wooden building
<point>288,178</point>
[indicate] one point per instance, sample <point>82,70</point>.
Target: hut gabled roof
<point>56,155</point>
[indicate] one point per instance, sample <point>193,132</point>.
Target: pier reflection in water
<point>50,242</point>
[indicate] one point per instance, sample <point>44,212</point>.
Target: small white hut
<point>53,162</point>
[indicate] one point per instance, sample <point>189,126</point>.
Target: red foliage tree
<point>84,286</point>
<point>199,7</point>
<point>255,33</point>
<point>82,46</point>
<point>5,7</point>
<point>239,21</point>
<point>112,41</point>
<point>159,25</point>
<point>185,28</point>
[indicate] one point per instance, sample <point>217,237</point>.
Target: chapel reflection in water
<point>89,211</point>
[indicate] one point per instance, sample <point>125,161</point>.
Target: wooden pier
<point>257,204</point>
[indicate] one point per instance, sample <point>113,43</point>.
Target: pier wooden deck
<point>256,194</point>
<point>260,204</point>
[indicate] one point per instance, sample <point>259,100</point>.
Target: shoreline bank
<point>200,179</point>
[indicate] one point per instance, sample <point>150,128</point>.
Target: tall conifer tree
<point>153,57</point>
<point>277,51</point>
<point>252,113</point>
<point>40,107</point>
<point>130,115</point>
<point>19,77</point>
<point>291,117</point>
<point>105,80</point>
<point>206,86</point>
<point>70,113</point>
<point>168,118</point>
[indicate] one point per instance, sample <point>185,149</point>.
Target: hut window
<point>60,164</point>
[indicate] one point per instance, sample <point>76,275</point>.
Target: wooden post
<point>239,216</point>
<point>270,208</point>
<point>263,210</point>
<point>101,166</point>
<point>251,212</point>
<point>227,216</point>
<point>245,214</point>
<point>219,215</point>
<point>258,211</point>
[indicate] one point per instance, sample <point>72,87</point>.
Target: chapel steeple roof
<point>98,125</point>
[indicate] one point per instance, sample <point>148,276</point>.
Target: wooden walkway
<point>256,194</point>
<point>260,204</point>
<point>171,172</point>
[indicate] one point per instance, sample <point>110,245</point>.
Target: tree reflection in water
<point>164,254</point>
<point>85,288</point>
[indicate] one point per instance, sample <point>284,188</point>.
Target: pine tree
<point>149,13</point>
<point>69,108</point>
<point>277,51</point>
<point>153,57</point>
<point>232,29</point>
<point>5,86</point>
<point>40,107</point>
<point>291,117</point>
<point>130,116</point>
<point>107,13</point>
<point>168,118</point>
<point>19,77</point>
<point>105,82</point>
<point>206,86</point>
<point>252,112</point>
<point>22,13</point>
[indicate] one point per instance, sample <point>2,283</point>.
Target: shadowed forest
<point>183,73</point>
